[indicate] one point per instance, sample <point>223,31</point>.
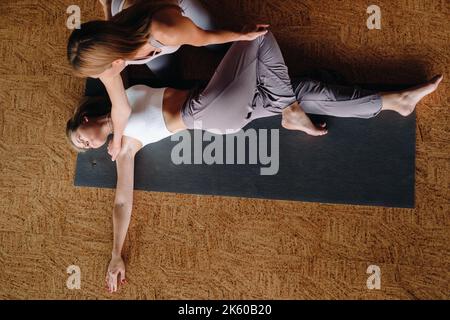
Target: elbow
<point>122,206</point>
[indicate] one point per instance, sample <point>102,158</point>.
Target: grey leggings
<point>252,82</point>
<point>194,10</point>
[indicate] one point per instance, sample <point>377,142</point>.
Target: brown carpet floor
<point>200,247</point>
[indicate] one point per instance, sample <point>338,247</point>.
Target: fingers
<point>112,282</point>
<point>122,276</point>
<point>256,34</point>
<point>107,286</point>
<point>123,281</point>
<point>258,29</point>
<point>262,28</point>
<point>113,152</point>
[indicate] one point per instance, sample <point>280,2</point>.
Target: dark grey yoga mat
<point>363,162</point>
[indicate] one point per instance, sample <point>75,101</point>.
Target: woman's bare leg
<point>404,102</point>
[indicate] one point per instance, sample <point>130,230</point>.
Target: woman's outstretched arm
<point>120,111</point>
<point>170,27</point>
<point>123,204</point>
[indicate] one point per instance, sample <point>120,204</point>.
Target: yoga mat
<point>360,162</point>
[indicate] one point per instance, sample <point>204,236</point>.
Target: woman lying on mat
<point>145,33</point>
<point>251,82</point>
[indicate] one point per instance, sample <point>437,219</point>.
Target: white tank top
<point>146,123</point>
<point>116,7</point>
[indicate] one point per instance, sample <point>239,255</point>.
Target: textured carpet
<point>182,246</point>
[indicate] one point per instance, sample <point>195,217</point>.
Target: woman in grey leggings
<point>251,82</point>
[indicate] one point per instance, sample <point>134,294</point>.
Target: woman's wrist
<point>117,140</point>
<point>116,253</point>
<point>213,37</point>
<point>117,143</point>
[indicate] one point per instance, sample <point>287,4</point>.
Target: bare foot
<point>405,102</point>
<point>294,118</point>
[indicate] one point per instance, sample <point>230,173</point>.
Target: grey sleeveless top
<point>116,7</point>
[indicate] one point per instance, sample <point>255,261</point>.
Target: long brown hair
<point>92,108</point>
<point>92,48</point>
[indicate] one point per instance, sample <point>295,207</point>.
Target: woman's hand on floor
<point>250,33</point>
<point>116,268</point>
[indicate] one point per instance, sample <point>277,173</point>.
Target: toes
<point>322,131</point>
<point>318,133</point>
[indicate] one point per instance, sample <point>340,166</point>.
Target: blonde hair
<point>92,108</point>
<point>97,44</point>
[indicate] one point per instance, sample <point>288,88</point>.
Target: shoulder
<point>167,15</point>
<point>130,147</point>
<point>167,24</point>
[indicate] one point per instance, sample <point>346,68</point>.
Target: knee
<point>268,46</point>
<point>309,88</point>
<point>268,37</point>
<point>304,83</point>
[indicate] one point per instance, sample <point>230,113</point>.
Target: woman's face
<point>115,69</point>
<point>91,134</point>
